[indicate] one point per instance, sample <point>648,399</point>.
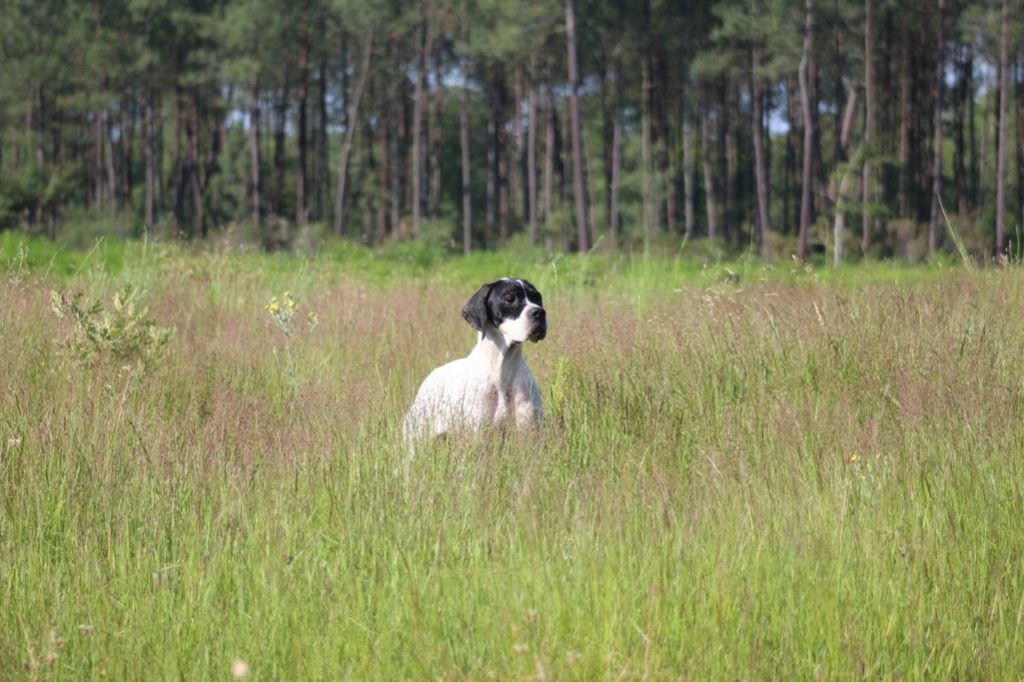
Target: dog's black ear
<point>475,311</point>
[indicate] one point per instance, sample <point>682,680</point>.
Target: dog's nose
<point>537,314</point>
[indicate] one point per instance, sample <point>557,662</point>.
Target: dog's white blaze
<point>518,330</point>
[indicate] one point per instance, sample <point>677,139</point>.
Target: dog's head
<point>512,306</point>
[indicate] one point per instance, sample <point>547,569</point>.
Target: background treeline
<point>782,125</point>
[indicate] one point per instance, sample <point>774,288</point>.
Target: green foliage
<point>63,259</point>
<point>87,88</point>
<point>30,189</point>
<point>122,333</point>
<point>92,227</point>
<point>19,192</point>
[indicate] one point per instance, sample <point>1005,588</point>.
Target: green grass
<point>699,264</point>
<point>745,471</point>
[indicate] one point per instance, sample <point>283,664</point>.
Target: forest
<point>786,127</point>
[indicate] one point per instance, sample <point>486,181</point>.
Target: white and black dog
<point>492,384</point>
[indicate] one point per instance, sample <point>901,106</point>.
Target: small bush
<point>123,333</point>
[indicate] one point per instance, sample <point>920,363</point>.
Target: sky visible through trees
<point>781,126</point>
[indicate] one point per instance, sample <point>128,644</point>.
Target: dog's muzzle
<point>540,324</point>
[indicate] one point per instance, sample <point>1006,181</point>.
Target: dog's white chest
<point>469,394</point>
<point>500,404</point>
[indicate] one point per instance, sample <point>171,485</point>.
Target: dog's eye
<point>509,297</point>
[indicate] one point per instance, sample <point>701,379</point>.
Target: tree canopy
<point>766,124</point>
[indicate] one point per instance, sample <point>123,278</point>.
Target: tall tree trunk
<point>960,138</point>
<point>789,170</point>
<point>561,155</point>
<point>301,210</point>
<point>808,121</point>
<point>709,177</point>
<point>586,185</point>
<point>218,126</point>
<point>1004,62</point>
<point>582,237</point>
<point>818,168</point>
<point>195,184</point>
<point>383,128</point>
<point>972,125</point>
<point>645,150</point>
<point>321,168</point>
<point>887,113</point>
<point>419,106</point>
<point>394,135</point>
<point>869,123</point>
<point>668,154</point>
<point>840,99</point>
<point>549,155</point>
<point>531,155</point>
<point>606,87</point>
<point>502,155</point>
<point>685,115</point>
<point>491,206</point>
<point>467,199</point>
<point>180,166</point>
<point>984,162</point>
<point>665,199</point>
<point>280,123</point>
<point>375,142</point>
<point>838,191</point>
<point>616,170</point>
<point>467,196</point>
<point>352,124</point>
<point>933,223</point>
<point>436,140</point>
<point>760,166</point>
<point>839,232</point>
<point>722,161</point>
<point>254,149</point>
<point>149,152</point>
<point>906,118</point>
<point>733,208</point>
<point>1018,83</point>
<point>367,178</point>
<point>516,183</point>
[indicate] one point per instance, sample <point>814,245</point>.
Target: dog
<point>493,384</point>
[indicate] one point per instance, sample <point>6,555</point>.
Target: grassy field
<point>744,472</point>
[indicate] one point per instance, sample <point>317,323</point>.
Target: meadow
<point>744,471</point>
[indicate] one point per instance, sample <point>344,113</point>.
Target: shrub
<point>123,333</point>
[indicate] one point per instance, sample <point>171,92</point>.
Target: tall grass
<point>777,477</point>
